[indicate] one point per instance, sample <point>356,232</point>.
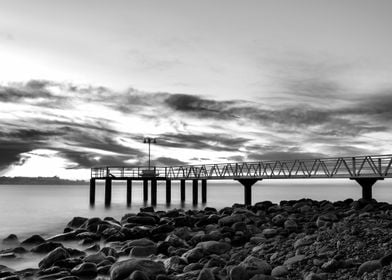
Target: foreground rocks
<point>302,239</point>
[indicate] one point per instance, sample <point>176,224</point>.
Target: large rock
<point>205,274</point>
<point>11,239</point>
<point>95,258</point>
<point>369,266</point>
<point>54,256</point>
<point>138,275</point>
<point>143,251</point>
<point>123,269</point>
<point>255,266</point>
<point>295,259</point>
<point>193,255</point>
<point>86,269</point>
<point>230,220</point>
<point>279,271</point>
<point>46,247</point>
<point>35,239</point>
<point>77,222</point>
<point>214,247</point>
<point>238,273</point>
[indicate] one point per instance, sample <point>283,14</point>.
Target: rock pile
<point>301,239</point>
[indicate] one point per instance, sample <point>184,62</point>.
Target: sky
<point>83,82</point>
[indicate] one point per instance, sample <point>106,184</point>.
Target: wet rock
<point>46,247</point>
<point>369,266</point>
<point>294,260</point>
<point>33,240</point>
<point>55,276</point>
<point>122,269</point>
<point>193,255</point>
<point>138,275</point>
<point>86,269</point>
<point>331,266</point>
<point>270,232</point>
<point>230,220</point>
<point>238,273</point>
<point>11,239</point>
<point>214,247</point>
<point>142,220</point>
<point>290,225</point>
<point>104,269</point>
<point>255,266</point>
<point>279,271</point>
<point>205,274</point>
<point>52,257</point>
<point>93,248</point>
<point>143,251</point>
<point>77,222</point>
<point>95,258</point>
<point>173,264</point>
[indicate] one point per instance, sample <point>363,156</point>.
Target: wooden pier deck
<point>366,170</point>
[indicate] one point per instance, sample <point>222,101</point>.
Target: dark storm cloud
<point>206,141</point>
<point>283,155</point>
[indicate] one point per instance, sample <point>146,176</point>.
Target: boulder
<point>369,266</point>
<point>121,270</point>
<point>35,239</point>
<point>214,247</point>
<point>280,271</point>
<point>205,274</point>
<point>46,247</point>
<point>238,273</point>
<point>138,275</point>
<point>56,255</point>
<point>86,269</point>
<point>193,255</point>
<point>11,239</point>
<point>255,266</point>
<point>143,251</point>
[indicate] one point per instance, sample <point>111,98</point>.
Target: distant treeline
<point>39,181</point>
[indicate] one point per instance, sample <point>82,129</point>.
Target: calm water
<point>45,210</point>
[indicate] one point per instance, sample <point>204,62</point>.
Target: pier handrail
<point>377,166</point>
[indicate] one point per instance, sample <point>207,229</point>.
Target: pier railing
<point>375,166</point>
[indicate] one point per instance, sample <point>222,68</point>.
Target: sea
<point>46,209</point>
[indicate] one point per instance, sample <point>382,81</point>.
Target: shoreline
<point>296,239</point>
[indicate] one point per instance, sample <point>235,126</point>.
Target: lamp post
<point>149,140</point>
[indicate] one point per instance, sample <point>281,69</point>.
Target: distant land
<point>39,181</point>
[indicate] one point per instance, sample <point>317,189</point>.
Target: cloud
<point>167,161</point>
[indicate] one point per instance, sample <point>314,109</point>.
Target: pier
<point>365,170</point>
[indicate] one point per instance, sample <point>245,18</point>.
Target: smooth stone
<point>214,247</point>
<point>104,269</point>
<point>52,257</point>
<point>85,269</point>
<point>280,271</point>
<point>331,266</point>
<point>143,251</point>
<point>35,239</point>
<point>238,273</point>
<point>205,274</point>
<point>122,269</point>
<point>369,266</point>
<point>193,255</point>
<point>269,232</point>
<point>172,264</point>
<point>138,275</point>
<point>293,260</point>
<point>77,222</point>
<point>290,225</point>
<point>95,258</point>
<point>229,220</point>
<point>46,247</point>
<point>262,277</point>
<point>304,241</point>
<point>55,276</point>
<point>11,239</point>
<point>255,266</point>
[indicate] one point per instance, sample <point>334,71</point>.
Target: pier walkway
<point>365,170</point>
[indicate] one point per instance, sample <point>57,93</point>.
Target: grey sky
<point>224,79</point>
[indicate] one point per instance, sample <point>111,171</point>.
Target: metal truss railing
<point>341,167</point>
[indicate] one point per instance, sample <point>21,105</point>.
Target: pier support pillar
<point>92,191</point>
<point>129,191</point>
<point>168,191</point>
<point>182,190</point>
<point>248,183</point>
<point>108,191</point>
<point>204,191</point>
<point>367,185</point>
<point>154,192</point>
<point>195,191</point>
<point>145,190</point>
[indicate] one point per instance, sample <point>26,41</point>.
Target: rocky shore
<point>301,239</point>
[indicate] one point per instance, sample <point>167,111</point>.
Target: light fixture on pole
<point>149,140</point>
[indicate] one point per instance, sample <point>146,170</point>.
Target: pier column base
<point>108,191</point>
<point>248,183</point>
<point>154,192</point>
<point>182,190</point>
<point>168,191</point>
<point>195,191</point>
<point>92,191</point>
<point>204,191</point>
<point>129,192</point>
<point>145,190</point>
<point>367,185</point>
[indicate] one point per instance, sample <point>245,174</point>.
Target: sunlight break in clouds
<point>64,129</point>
